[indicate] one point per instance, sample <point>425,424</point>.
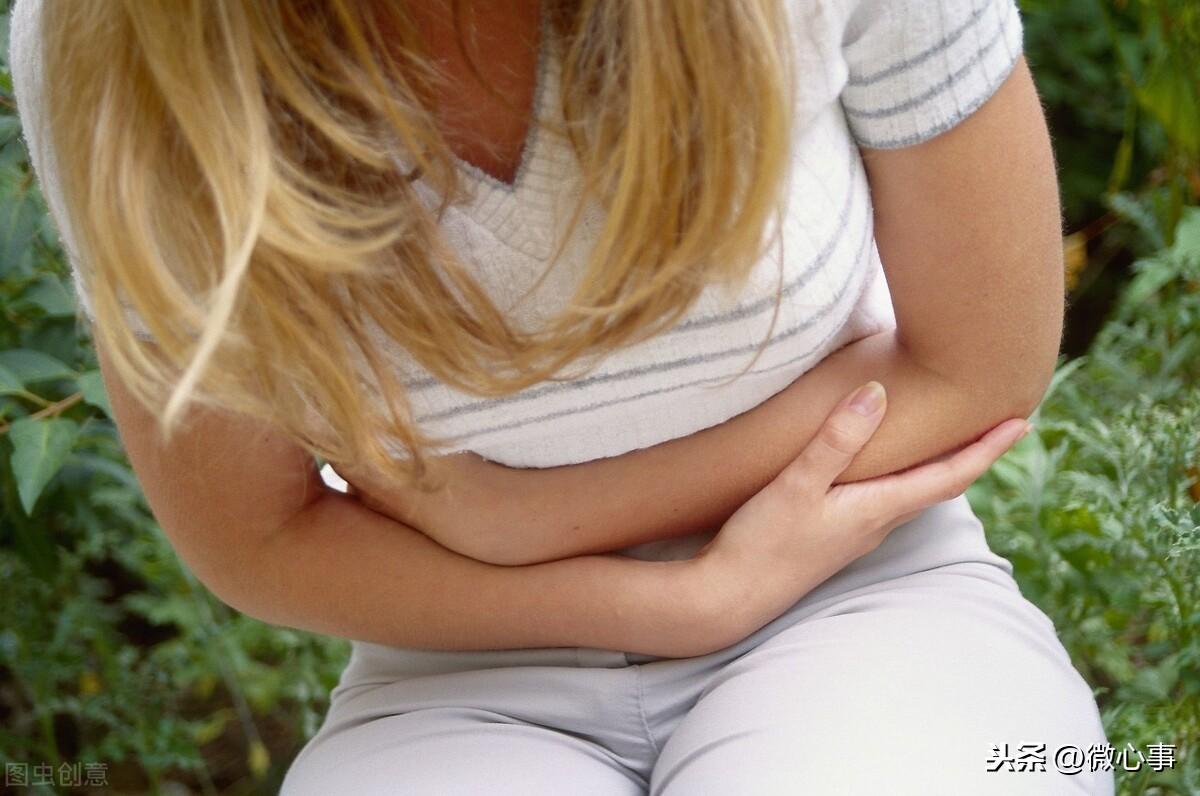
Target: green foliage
<point>110,651</point>
<point>1099,513</point>
<point>1121,83</point>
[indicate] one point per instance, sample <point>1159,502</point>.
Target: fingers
<point>947,478</point>
<point>843,434</point>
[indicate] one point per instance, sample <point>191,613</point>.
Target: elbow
<point>1031,377</point>
<point>1027,399</point>
<point>1009,380</point>
<point>240,572</point>
<point>1020,401</point>
<point>1013,368</point>
<point>1038,353</point>
<point>225,584</point>
<point>239,599</point>
<point>1018,389</point>
<point>1005,385</point>
<point>235,586</point>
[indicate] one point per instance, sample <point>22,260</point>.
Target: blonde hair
<point>227,172</point>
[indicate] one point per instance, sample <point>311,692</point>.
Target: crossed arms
<point>968,227</point>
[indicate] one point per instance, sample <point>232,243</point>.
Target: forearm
<point>971,247</point>
<point>696,482</point>
<point>340,569</point>
<point>928,412</point>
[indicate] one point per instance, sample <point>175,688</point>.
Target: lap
<point>899,675</point>
<point>904,689</point>
<point>457,752</point>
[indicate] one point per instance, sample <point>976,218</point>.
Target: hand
<point>799,530</point>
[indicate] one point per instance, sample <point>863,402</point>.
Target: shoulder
<point>26,69</point>
<point>23,43</point>
<point>915,68</point>
<point>24,50</point>
<point>25,56</point>
<point>35,116</point>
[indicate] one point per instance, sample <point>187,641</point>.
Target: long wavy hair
<point>228,173</point>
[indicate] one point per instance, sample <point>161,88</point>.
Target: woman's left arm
<point>968,228</point>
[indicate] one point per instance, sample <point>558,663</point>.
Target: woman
<point>613,298</point>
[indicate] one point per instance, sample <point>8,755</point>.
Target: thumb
<point>843,434</point>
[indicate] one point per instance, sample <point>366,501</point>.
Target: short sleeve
<point>916,68</point>
<point>24,54</point>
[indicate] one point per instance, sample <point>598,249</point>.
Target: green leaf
<point>119,472</point>
<point>19,220</point>
<point>9,383</point>
<point>207,730</point>
<point>4,23</point>
<point>48,293</point>
<point>1187,236</point>
<point>1168,94</point>
<point>1136,212</point>
<point>258,759</point>
<point>36,548</point>
<point>31,366</point>
<point>40,446</point>
<point>91,384</point>
<point>10,126</point>
<point>1152,274</point>
<point>1154,683</point>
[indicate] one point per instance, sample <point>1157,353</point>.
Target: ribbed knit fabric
<point>873,73</point>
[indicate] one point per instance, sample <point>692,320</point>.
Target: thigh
<point>456,752</point>
<point>902,689</point>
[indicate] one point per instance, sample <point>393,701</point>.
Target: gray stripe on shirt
<point>755,307</point>
<point>808,354</point>
<point>950,80</point>
<point>943,126</point>
<point>659,367</point>
<point>903,66</point>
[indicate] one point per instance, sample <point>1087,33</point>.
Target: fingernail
<point>868,399</point>
<point>1026,430</point>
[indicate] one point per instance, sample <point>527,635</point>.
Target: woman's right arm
<point>341,569</point>
<point>246,510</point>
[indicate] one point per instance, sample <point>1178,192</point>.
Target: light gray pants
<point>918,669</point>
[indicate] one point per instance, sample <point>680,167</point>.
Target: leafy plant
<point>1120,81</point>
<point>1099,513</point>
<point>110,650</point>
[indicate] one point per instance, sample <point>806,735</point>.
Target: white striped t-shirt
<point>874,73</point>
<point>883,74</point>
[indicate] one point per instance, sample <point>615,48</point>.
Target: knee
<point>456,752</point>
<point>853,753</point>
<point>893,702</point>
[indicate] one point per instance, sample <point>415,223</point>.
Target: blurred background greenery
<point>111,651</point>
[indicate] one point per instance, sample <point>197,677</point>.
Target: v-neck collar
<point>526,214</point>
<point>473,173</point>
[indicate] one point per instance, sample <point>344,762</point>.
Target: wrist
<point>721,602</point>
<point>736,598</point>
<point>663,608</point>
